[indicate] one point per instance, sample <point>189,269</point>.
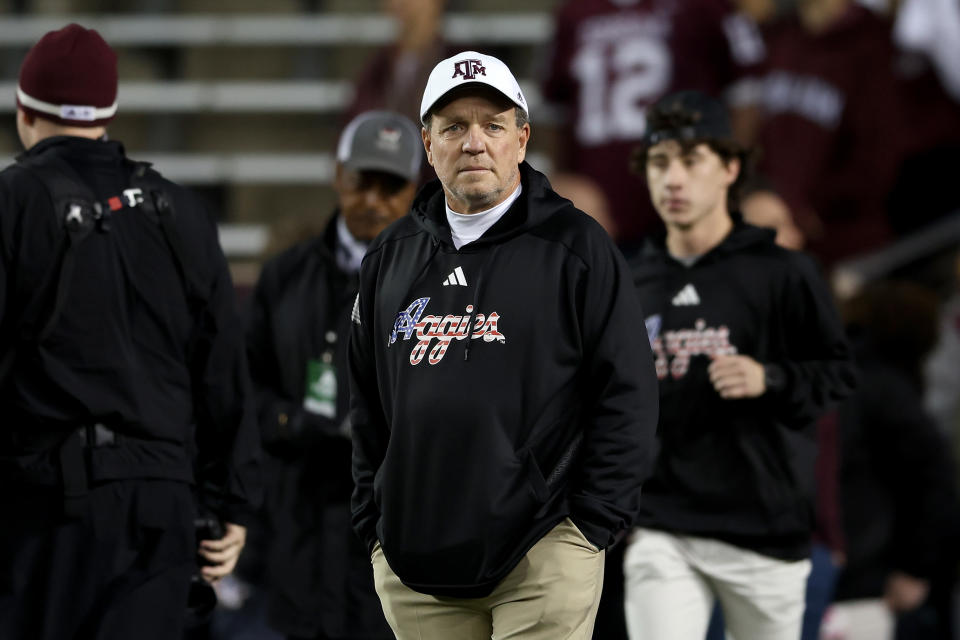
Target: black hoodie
<point>898,497</point>
<point>496,389</point>
<point>740,470</point>
<point>120,352</point>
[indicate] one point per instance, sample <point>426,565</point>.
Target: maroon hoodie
<point>830,135</point>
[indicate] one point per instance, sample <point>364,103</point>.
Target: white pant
<point>672,580</point>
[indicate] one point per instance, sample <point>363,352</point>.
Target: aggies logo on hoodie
<point>674,349</point>
<point>444,329</point>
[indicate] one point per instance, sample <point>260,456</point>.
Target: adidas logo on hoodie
<point>687,297</point>
<point>457,278</point>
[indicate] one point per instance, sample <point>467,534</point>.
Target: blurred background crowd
<point>853,106</point>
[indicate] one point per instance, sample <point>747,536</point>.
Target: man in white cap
<point>321,584</point>
<point>503,400</point>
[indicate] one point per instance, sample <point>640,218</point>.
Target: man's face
<point>475,147</point>
<point>687,187</point>
<point>371,200</point>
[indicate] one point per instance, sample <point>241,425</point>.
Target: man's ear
<point>338,179</point>
<point>733,167</point>
<point>425,135</point>
<point>524,134</point>
<point>26,117</point>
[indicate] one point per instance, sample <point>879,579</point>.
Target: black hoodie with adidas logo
<point>741,471</point>
<point>496,390</point>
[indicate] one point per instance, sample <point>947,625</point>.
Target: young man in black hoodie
<point>320,581</point>
<point>503,399</point>
<point>749,352</point>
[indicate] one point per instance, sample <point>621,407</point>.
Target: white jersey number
<point>613,105</point>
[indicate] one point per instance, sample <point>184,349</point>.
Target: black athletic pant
<point>120,571</point>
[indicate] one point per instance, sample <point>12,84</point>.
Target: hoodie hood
<point>742,237</point>
<point>535,205</point>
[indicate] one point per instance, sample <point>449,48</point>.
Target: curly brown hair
<point>676,119</point>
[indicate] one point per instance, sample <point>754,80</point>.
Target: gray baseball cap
<point>382,141</point>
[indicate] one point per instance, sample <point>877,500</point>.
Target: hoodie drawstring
<point>476,300</point>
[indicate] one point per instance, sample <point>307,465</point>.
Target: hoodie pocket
<point>552,446</point>
<point>535,476</point>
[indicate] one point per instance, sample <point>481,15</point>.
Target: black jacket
<point>740,470</point>
<point>897,491</point>
<point>128,350</point>
<point>319,571</point>
<point>495,390</point>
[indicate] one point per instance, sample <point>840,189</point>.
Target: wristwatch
<point>774,377</point>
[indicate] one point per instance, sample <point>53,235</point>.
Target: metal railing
<point>303,96</point>
<point>272,30</point>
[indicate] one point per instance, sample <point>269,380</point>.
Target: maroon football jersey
<point>830,138</point>
<point>611,60</point>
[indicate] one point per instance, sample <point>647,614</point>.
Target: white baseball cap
<point>470,67</point>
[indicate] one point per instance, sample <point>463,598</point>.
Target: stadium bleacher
<point>244,100</point>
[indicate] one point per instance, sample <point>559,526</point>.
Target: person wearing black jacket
<point>123,380</point>
<point>320,580</point>
<point>749,352</point>
<point>898,497</point>
<point>503,400</point>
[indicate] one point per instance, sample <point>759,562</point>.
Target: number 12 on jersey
<point>616,84</point>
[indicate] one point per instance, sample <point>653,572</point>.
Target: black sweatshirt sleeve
<point>228,444</point>
<point>621,413</point>
<point>816,367</point>
<point>369,428</point>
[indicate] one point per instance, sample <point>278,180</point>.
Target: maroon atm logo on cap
<point>468,69</point>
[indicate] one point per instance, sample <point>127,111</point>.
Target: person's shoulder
<point>577,232</point>
<point>190,212</point>
<point>168,186</point>
<point>12,169</point>
<point>17,175</point>
<point>569,219</point>
<point>148,176</point>
<point>795,261</point>
<point>22,188</point>
<point>399,231</point>
<point>759,242</point>
<point>293,259</point>
<point>784,264</point>
<point>285,270</point>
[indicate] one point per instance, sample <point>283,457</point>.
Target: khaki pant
<point>552,594</point>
